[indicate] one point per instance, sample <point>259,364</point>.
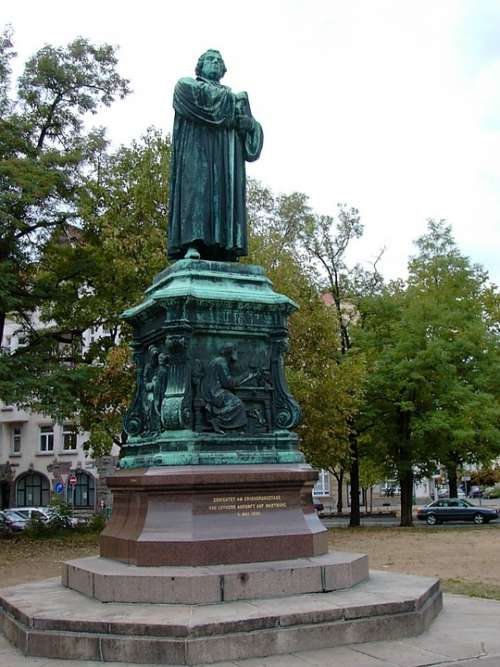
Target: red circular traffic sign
<point>72,480</point>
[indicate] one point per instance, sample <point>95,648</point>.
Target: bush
<point>96,523</point>
<point>37,528</point>
<point>60,513</point>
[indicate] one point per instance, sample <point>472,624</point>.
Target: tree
<point>465,321</point>
<point>321,385</point>
<point>432,393</point>
<point>88,276</point>
<point>6,55</point>
<point>45,153</point>
<point>326,241</point>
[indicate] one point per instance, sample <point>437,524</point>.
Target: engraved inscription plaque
<point>243,506</point>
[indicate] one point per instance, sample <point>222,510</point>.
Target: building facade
<point>40,458</point>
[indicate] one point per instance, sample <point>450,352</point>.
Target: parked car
<point>43,513</point>
<point>455,509</point>
<point>15,520</point>
<point>29,513</point>
<point>443,492</point>
<point>5,527</point>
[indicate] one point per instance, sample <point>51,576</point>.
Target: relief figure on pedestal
<point>149,381</point>
<point>160,384</point>
<point>214,135</point>
<point>225,410</point>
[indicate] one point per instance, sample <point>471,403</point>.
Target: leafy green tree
<point>432,393</point>
<point>45,153</point>
<point>89,275</point>
<point>6,54</point>
<point>464,312</point>
<point>371,472</point>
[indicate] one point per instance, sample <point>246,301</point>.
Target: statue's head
<point>210,65</point>
<point>229,352</point>
<point>153,351</point>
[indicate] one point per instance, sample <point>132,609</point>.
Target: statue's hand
<point>242,106</point>
<point>244,123</point>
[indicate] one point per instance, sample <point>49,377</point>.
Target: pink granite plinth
<point>212,515</point>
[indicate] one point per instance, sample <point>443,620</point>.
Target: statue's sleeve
<point>225,377</point>
<point>202,103</point>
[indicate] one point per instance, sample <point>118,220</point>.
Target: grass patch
<point>474,589</point>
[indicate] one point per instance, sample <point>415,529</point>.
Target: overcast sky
<point>392,106</point>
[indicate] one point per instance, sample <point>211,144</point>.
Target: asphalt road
<point>393,522</point>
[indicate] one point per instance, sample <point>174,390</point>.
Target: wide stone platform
<point>46,619</point>
<point>110,581</point>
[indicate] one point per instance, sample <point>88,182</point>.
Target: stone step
<point>111,581</point>
<point>46,619</point>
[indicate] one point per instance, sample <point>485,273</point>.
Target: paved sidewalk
<point>465,634</point>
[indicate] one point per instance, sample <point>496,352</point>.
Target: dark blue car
<point>455,509</point>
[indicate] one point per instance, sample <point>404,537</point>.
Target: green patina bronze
<point>214,134</point>
<point>211,335</point>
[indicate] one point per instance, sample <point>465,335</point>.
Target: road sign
<point>59,487</point>
<point>72,480</point>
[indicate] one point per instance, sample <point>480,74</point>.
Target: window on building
<point>16,439</point>
<point>69,438</point>
<point>322,486</point>
<point>82,495</point>
<point>22,340</point>
<point>46,438</point>
<point>32,490</point>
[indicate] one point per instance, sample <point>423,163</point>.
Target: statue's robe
<point>207,183</point>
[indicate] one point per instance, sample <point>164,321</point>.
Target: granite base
<point>211,515</point>
<point>46,619</point>
<point>109,581</point>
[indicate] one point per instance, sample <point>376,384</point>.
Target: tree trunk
<point>2,325</point>
<point>355,519</point>
<point>406,483</point>
<point>340,490</point>
<point>452,479</point>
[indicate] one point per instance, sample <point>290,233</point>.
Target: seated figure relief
<point>225,409</point>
